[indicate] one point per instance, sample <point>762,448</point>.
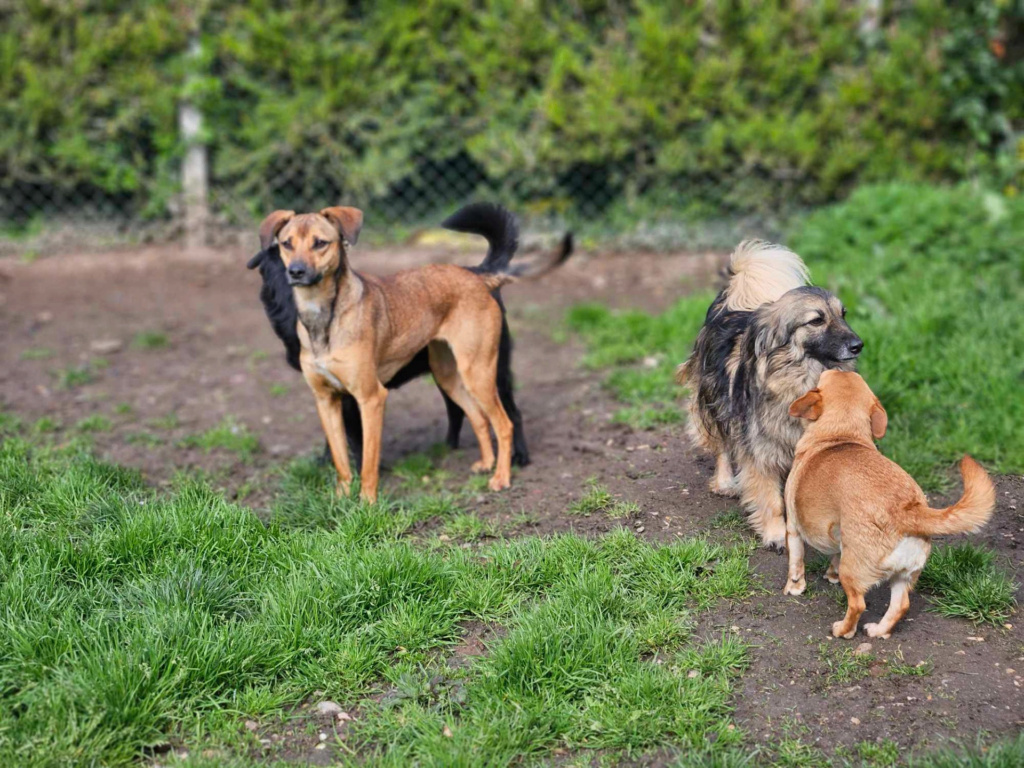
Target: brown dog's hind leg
<point>847,626</point>
<point>761,494</point>
<point>899,603</point>
<point>479,380</point>
<point>445,370</point>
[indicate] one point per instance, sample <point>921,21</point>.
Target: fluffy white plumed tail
<point>760,272</point>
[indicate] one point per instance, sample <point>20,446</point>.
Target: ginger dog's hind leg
<point>446,372</point>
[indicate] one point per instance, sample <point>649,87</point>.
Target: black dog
<point>498,226</point>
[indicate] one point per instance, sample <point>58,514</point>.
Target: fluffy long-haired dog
<point>846,499</point>
<point>766,339</point>
<point>499,227</point>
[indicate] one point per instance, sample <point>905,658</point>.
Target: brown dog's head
<point>809,322</point>
<point>313,245</point>
<point>845,402</point>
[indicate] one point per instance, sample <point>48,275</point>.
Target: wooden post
<point>193,169</point>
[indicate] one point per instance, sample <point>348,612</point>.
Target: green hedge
<point>738,105</point>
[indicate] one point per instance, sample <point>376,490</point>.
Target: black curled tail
<point>496,224</point>
<point>278,301</point>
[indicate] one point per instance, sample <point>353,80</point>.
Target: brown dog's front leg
<point>371,407</point>
<point>328,408</point>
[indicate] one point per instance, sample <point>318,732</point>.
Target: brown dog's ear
<point>348,221</point>
<point>272,225</point>
<point>879,421</point>
<point>807,407</point>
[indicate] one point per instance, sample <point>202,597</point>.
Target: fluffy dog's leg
<point>796,584</point>
<point>724,482</point>
<point>899,603</point>
<point>762,496</point>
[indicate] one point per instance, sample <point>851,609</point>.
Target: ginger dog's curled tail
<point>760,272</point>
<point>499,227</point>
<point>967,515</point>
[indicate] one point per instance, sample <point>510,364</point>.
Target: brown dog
<point>357,330</point>
<point>844,498</point>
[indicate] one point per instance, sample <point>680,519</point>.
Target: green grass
<point>842,664</point>
<point>279,390</point>
<point>151,340</point>
<point>933,279</point>
<point>597,500</point>
<point>965,581</point>
<point>77,376</point>
<point>38,353</point>
<point>226,436</point>
<point>95,423</point>
<point>134,617</point>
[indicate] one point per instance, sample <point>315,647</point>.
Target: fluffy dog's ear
<point>807,407</point>
<point>272,225</point>
<point>879,421</point>
<point>348,221</point>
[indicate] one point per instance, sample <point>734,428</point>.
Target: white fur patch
<point>909,556</point>
<point>761,273</point>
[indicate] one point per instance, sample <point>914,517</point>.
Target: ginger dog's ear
<point>272,225</point>
<point>348,221</point>
<point>879,420</point>
<point>807,407</point>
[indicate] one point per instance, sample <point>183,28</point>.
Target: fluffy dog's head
<point>313,245</point>
<point>845,404</point>
<point>808,322</point>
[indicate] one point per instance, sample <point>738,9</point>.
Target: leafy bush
<point>710,107</point>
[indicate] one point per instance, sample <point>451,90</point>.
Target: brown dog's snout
<point>300,273</point>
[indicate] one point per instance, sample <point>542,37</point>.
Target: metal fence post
<point>194,180</point>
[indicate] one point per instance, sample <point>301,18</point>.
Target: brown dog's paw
<point>479,467</point>
<point>499,483</point>
<point>795,587</point>
<point>343,488</point>
<point>839,626</point>
<point>873,630</point>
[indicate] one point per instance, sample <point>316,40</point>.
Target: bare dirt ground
<point>71,350</point>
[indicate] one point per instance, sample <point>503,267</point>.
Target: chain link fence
<point>605,205</point>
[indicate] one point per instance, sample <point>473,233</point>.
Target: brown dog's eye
<point>318,243</point>
<point>844,311</point>
<point>287,244</point>
<point>819,320</point>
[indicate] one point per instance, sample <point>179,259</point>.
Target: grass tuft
<point>965,581</point>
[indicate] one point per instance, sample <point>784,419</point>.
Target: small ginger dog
<point>356,331</point>
<point>844,498</point>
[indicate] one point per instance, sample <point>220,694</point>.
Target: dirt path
<point>72,352</point>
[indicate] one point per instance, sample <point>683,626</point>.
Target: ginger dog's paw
<point>839,626</point>
<point>481,466</point>
<point>343,488</point>
<point>874,630</point>
<point>499,483</point>
<point>831,577</point>
<point>795,587</point>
